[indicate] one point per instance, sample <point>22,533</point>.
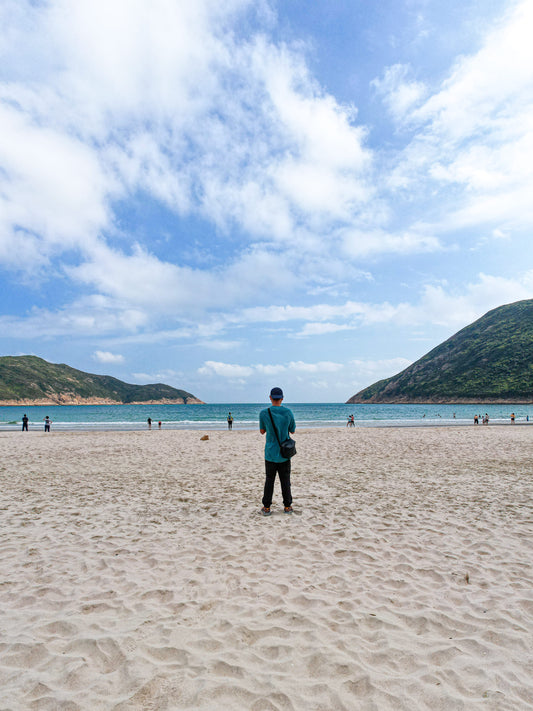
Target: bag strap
<point>274,426</point>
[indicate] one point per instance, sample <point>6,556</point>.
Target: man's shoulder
<point>285,409</point>
<point>278,409</point>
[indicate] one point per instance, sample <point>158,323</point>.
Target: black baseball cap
<point>276,394</point>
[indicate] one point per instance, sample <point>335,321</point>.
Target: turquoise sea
<point>213,417</point>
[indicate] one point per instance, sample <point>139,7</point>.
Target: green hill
<point>28,380</point>
<point>489,361</point>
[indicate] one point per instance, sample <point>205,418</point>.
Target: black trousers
<point>283,469</point>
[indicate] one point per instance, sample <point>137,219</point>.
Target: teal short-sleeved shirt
<point>284,421</point>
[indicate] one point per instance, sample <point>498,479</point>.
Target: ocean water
<point>213,417</point>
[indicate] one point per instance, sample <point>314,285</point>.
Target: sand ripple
<point>137,573</point>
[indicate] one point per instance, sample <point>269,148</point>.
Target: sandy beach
<point>136,571</point>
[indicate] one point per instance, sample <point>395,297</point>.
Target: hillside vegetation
<point>489,361</point>
<point>32,380</point>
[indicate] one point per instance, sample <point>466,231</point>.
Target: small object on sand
<point>467,578</point>
<point>204,438</point>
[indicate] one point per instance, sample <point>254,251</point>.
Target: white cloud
<point>316,312</point>
<point>321,367</point>
<point>261,150</point>
<point>94,315</point>
<point>241,372</point>
<point>500,234</point>
<point>437,304</point>
<point>245,137</point>
<point>326,318</point>
<point>53,191</point>
<point>486,88</point>
<point>167,376</point>
<point>356,243</point>
<point>197,109</point>
<point>475,133</point>
<point>232,371</point>
<point>400,94</point>
<point>335,380</point>
<point>320,329</point>
<point>145,282</point>
<point>225,370</point>
<point>373,368</point>
<point>108,357</point>
<point>453,309</point>
<point>218,344</point>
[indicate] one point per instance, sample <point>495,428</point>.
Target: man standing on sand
<point>25,423</point>
<point>282,419</point>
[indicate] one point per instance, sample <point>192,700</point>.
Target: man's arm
<point>292,425</point>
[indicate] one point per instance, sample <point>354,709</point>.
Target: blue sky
<point>230,196</point>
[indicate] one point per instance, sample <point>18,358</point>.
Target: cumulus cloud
<point>108,357</point>
<point>261,146</point>
<point>453,307</point>
<point>95,315</point>
<point>442,304</point>
<point>239,372</point>
<point>196,110</point>
<point>53,196</point>
<point>145,282</point>
<point>226,370</point>
<point>244,137</point>
<point>333,380</point>
<point>437,303</point>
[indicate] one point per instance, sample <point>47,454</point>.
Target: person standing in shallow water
<point>47,423</point>
<point>283,420</point>
<point>230,421</point>
<point>25,423</point>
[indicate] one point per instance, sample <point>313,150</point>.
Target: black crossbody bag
<point>287,448</point>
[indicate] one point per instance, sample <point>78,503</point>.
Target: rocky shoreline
<point>66,400</point>
<point>439,401</point>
